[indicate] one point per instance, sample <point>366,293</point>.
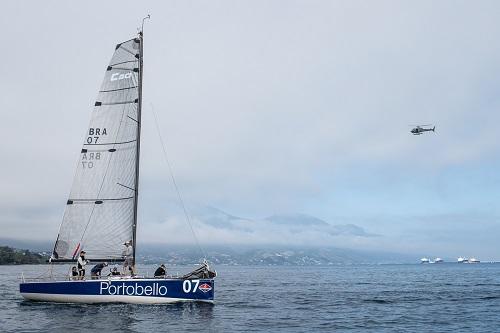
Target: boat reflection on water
<point>117,316</point>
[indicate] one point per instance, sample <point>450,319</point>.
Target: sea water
<point>343,298</point>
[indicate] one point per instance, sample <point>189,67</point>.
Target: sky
<point>268,108</point>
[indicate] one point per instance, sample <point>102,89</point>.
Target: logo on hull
<point>205,287</point>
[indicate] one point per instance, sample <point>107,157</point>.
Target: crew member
<point>74,273</point>
<point>95,273</point>
<point>161,271</point>
<point>81,265</point>
<point>114,272</point>
<point>127,255</point>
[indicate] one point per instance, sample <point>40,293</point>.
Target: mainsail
<point>101,210</point>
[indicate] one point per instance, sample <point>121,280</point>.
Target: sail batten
<point>101,209</point>
<point>73,201</point>
<point>109,143</point>
<point>113,90</point>
<point>116,103</point>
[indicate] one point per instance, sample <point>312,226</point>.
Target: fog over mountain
<point>214,226</point>
<point>288,239</point>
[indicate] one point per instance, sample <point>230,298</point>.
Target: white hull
<point>65,298</point>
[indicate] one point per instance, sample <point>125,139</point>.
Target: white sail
<point>101,208</point>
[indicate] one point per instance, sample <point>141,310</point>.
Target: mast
<point>138,149</point>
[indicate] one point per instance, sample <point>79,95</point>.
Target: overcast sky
<point>270,107</point>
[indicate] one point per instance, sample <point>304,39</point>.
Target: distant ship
<point>462,260</point>
<point>474,261</point>
<point>429,261</point>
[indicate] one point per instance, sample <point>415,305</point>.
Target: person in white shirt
<point>127,255</point>
<point>81,265</point>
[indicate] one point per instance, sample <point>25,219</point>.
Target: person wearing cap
<point>95,273</point>
<point>161,271</point>
<point>81,265</point>
<point>127,254</point>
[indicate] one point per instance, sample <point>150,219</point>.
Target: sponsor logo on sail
<point>151,289</point>
<point>205,287</point>
<point>118,76</point>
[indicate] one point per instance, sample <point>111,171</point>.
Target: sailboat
<point>100,219</point>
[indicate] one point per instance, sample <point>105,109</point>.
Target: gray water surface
<point>363,298</point>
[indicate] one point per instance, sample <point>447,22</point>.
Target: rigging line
<point>188,219</point>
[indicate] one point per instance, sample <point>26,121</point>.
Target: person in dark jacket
<point>95,272</point>
<point>161,271</point>
<point>74,273</point>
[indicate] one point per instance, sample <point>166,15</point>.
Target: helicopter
<point>419,129</point>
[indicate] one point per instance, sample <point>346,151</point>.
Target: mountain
<point>275,224</point>
<point>219,219</point>
<point>296,219</point>
<point>314,223</point>
<point>269,255</point>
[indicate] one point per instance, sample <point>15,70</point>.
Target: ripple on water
<point>395,298</point>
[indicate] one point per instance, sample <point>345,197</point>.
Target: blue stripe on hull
<point>122,289</point>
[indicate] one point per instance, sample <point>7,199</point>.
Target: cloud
<point>212,226</point>
<point>265,108</point>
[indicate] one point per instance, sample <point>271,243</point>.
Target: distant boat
<point>462,260</point>
<point>101,212</point>
<point>425,261</point>
<point>474,261</point>
<point>438,260</point>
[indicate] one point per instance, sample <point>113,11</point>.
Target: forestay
<point>100,212</point>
